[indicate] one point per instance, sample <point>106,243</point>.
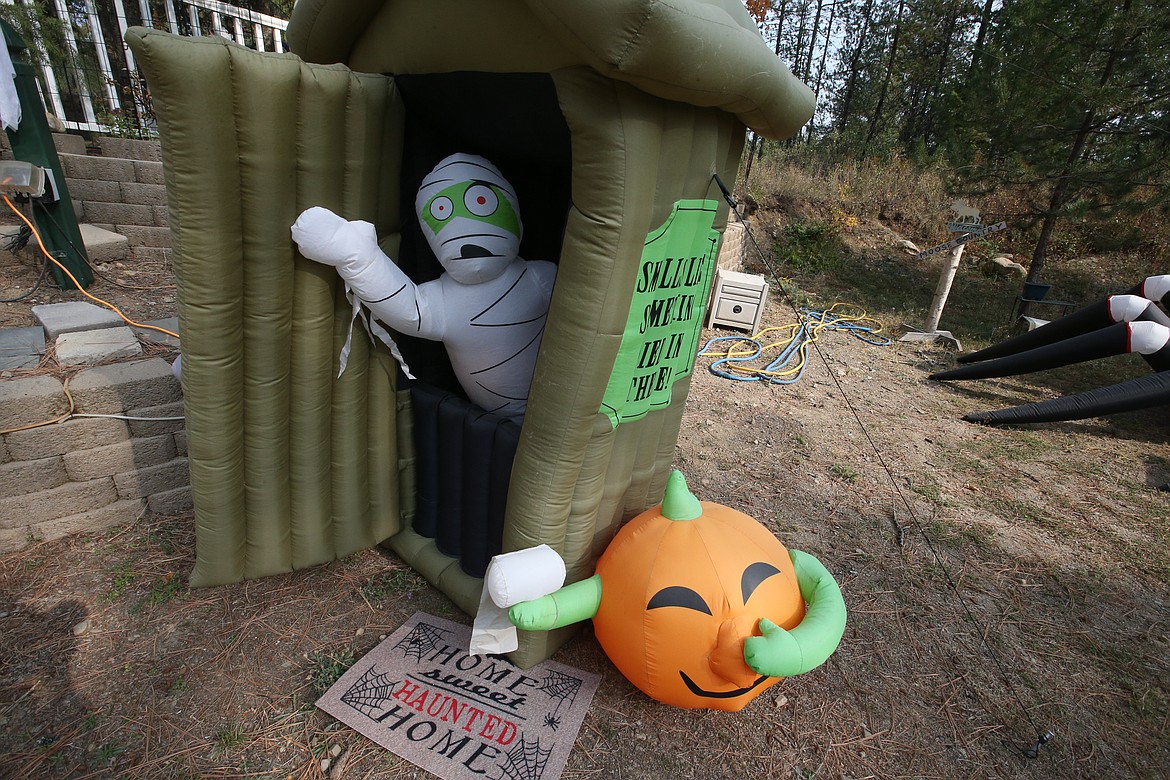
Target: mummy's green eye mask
<point>474,200</point>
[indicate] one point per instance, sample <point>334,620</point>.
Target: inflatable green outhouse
<point>612,118</point>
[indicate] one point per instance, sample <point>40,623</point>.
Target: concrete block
<point>144,428</point>
<point>119,458</point>
<point>5,456</point>
<point>171,502</point>
<point>148,172</point>
<point>103,246</point>
<point>69,144</point>
<point>162,217</point>
<point>94,190</point>
<point>80,433</point>
<point>83,166</point>
<point>114,388</point>
<point>30,400</point>
<point>96,346</point>
<point>144,482</point>
<point>733,248</point>
<point>72,317</point>
<point>157,336</point>
<point>21,347</point>
<point>62,501</point>
<point>130,148</point>
<point>119,214</point>
<point>181,442</point>
<point>29,476</point>
<point>147,235</point>
<point>144,194</point>
<point>13,539</point>
<point>117,513</point>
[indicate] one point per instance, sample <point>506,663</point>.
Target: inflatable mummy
<point>1119,324</point>
<point>488,307</point>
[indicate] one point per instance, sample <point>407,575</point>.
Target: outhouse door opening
<point>464,455</point>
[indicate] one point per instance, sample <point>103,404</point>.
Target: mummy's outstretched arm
<point>352,248</point>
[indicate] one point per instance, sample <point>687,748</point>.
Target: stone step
<point>82,332</point>
<point>21,347</point>
<point>104,246</point>
<point>97,185</point>
<point>129,148</point>
<point>119,195</point>
<point>117,184</point>
<point>74,317</point>
<point>124,214</point>
<point>84,166</point>
<point>142,237</point>
<point>67,143</point>
<point>101,245</point>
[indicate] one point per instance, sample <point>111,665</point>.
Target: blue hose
<point>780,371</point>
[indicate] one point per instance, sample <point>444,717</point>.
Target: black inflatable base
<point>463,466</point>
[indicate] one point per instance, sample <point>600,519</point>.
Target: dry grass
<point>893,191</point>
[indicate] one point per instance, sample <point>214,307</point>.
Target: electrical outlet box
<point>21,178</point>
<point>737,300</point>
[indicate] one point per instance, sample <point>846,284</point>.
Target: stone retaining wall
<point>90,473</point>
<point>116,184</point>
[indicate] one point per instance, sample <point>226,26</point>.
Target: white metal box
<point>737,300</point>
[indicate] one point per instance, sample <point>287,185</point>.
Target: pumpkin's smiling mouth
<point>695,689</point>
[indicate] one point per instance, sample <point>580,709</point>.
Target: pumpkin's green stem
<point>679,503</point>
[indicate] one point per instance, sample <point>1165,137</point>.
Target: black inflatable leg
<point>424,401</point>
<point>506,440</point>
<point>1140,393</point>
<point>479,433</point>
<point>449,527</point>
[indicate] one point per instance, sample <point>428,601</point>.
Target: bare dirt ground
<point>1001,583</point>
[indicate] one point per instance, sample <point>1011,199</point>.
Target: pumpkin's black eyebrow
<point>753,575</point>
<point>678,596</point>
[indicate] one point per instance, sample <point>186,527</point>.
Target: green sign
<point>670,295</point>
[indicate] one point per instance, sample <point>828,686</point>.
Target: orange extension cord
<point>57,263</point>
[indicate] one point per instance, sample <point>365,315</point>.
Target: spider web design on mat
<point>562,687</point>
<point>525,761</point>
<point>370,692</point>
<point>422,639</point>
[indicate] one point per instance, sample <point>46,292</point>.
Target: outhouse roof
<point>707,53</point>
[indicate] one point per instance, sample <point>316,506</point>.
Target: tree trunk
<point>812,45</point>
<point>980,38</point>
<point>781,14</point>
<point>747,171</point>
<point>821,67</point>
<point>1064,191</point>
<point>877,113</point>
<point>854,63</point>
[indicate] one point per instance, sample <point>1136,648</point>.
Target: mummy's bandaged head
<point>471,218</point>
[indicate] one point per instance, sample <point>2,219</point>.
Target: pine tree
<point>1068,98</point>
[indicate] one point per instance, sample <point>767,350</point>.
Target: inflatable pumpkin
<point>699,605</point>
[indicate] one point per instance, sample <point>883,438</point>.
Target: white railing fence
<point>88,76</point>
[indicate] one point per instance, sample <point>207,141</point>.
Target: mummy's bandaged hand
<point>352,248</point>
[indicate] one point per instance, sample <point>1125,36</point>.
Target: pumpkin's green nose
<point>679,503</point>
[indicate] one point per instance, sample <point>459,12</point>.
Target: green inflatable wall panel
<point>290,466</point>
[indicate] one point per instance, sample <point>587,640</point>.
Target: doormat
<point>420,695</point>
